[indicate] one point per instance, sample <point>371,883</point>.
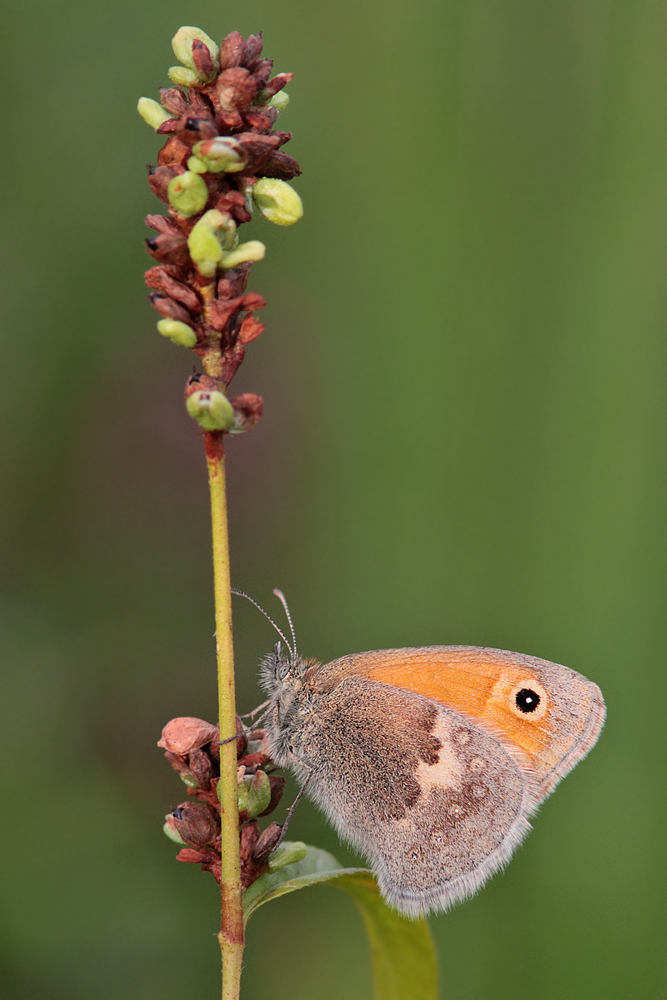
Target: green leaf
<point>317,866</point>
<point>404,961</point>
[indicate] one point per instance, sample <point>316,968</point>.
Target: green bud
<point>197,166</point>
<point>177,332</point>
<point>254,793</point>
<point>221,154</point>
<point>184,77</point>
<point>212,410</point>
<point>277,201</point>
<point>279,101</point>
<point>152,112</point>
<point>253,250</point>
<point>287,854</point>
<point>187,193</point>
<point>173,834</point>
<point>208,237</point>
<point>182,41</point>
<point>188,779</point>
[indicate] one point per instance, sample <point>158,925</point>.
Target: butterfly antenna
<point>281,597</point>
<point>242,593</point>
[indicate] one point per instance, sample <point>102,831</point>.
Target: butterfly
<point>429,760</point>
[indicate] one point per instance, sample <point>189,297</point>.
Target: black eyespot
<point>527,700</point>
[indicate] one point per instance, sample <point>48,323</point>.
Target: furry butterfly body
<point>430,760</point>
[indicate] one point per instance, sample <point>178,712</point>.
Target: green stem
<point>231,917</point>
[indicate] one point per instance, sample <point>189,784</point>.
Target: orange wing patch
<point>476,682</point>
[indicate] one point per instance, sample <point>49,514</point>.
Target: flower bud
<point>221,154</point>
<point>182,41</point>
<point>247,411</point>
<point>287,854</point>
<point>187,193</point>
<point>177,332</point>
<point>186,733</point>
<point>279,101</point>
<point>211,409</point>
<point>254,793</point>
<point>277,201</point>
<point>208,238</point>
<point>194,823</point>
<point>202,767</point>
<point>181,766</point>
<point>172,832</point>
<point>253,250</point>
<point>152,112</point>
<point>197,166</point>
<point>184,77</point>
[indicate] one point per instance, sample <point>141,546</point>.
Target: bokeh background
<point>463,442</point>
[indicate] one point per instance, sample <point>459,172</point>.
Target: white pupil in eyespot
<point>527,700</point>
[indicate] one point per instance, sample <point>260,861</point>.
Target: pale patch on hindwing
<point>471,816</point>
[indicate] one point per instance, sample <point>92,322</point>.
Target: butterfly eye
<point>282,671</point>
<point>527,700</point>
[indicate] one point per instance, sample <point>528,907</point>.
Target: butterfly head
<point>287,680</point>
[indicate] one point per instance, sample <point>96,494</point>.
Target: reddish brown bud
<point>234,282</point>
<point>231,361</point>
<point>181,766</point>
<point>158,178</point>
<point>267,841</point>
<point>232,50</point>
<point>197,383</point>
<point>173,99</point>
<point>249,836</point>
<point>231,120</point>
<point>278,82</point>
<point>252,50</point>
<point>187,733</point>
<point>262,120</point>
<point>157,277</point>
<point>262,72</point>
<point>250,330</point>
<point>189,856</point>
<point>281,166</point>
<point>168,308</point>
<point>247,411</point>
<point>252,300</point>
<point>236,89</point>
<point>253,759</point>
<point>201,56</point>
<point>163,224</point>
<point>195,824</point>
<point>169,249</point>
<point>220,311</point>
<point>202,767</point>
<point>199,128</point>
<point>171,125</point>
<point>174,153</point>
<point>258,149</point>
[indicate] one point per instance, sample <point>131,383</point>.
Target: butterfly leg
<point>290,811</point>
<point>251,715</point>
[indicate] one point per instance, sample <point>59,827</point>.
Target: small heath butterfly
<point>429,760</point>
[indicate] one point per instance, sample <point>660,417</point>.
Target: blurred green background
<point>464,438</point>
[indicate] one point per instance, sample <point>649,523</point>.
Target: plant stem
<point>231,917</point>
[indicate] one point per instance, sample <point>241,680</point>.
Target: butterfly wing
<point>435,802</point>
<point>471,816</point>
<point>547,712</point>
